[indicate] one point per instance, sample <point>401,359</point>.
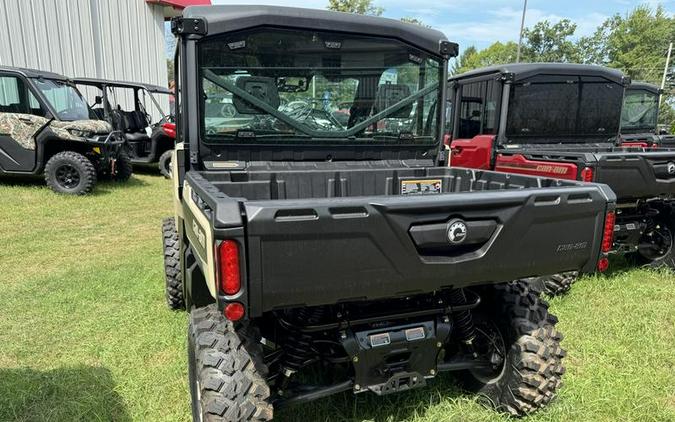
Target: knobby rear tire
<point>533,369</point>
<point>226,369</point>
<point>172,274</point>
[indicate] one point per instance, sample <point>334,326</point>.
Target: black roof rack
<point>520,71</point>
<point>221,19</point>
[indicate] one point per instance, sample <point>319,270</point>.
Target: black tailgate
<point>635,175</point>
<point>319,251</point>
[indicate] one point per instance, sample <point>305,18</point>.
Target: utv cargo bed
<point>316,233</point>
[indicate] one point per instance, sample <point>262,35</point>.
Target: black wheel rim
<point>656,243</point>
<point>489,342</point>
<point>67,176</point>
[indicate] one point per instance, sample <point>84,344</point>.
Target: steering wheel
<point>298,109</point>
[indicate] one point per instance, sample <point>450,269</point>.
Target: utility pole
<point>522,27</point>
<point>665,70</point>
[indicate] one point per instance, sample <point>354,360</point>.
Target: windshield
<point>64,98</point>
<point>293,85</point>
<point>640,110</point>
<point>548,107</point>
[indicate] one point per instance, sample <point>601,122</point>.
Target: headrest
<point>263,88</point>
<point>390,94</point>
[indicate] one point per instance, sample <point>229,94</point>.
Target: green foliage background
<point>636,43</point>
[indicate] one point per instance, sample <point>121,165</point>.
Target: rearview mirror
<point>292,84</point>
<point>98,100</point>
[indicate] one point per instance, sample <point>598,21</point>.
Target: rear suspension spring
<point>298,346</point>
<point>465,327</point>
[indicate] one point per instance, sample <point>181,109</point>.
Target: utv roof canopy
<point>34,73</point>
<point>644,86</point>
<point>220,19</point>
<point>521,71</point>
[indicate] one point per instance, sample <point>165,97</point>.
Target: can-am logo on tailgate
<point>457,231</point>
<point>671,168</point>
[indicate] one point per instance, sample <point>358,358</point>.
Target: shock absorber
<point>297,345</point>
<point>466,330</point>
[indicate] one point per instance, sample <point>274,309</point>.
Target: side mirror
<point>98,100</point>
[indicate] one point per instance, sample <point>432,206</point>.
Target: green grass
<point>85,334</point>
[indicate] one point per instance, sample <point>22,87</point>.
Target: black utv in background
<point>46,128</point>
<point>149,141</point>
<point>639,118</point>
<point>347,246</point>
<point>562,120</point>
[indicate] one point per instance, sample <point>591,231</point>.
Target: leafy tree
<point>169,70</point>
<point>547,42</point>
<point>410,19</point>
<point>361,7</point>
<point>636,43</point>
<point>497,53</point>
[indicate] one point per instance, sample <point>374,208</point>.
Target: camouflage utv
<point>47,128</point>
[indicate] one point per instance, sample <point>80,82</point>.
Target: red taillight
<point>169,129</point>
<point>608,234</point>
<point>587,174</point>
<point>234,311</point>
<point>603,264</point>
<point>228,260</point>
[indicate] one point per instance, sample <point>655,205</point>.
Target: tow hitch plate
<point>395,358</point>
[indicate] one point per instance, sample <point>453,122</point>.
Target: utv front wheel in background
<point>226,370</point>
<point>513,325</point>
<point>123,167</point>
<point>172,274</point>
<point>656,247</point>
<point>164,163</point>
<point>71,173</point>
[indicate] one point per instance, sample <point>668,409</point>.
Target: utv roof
<point>221,19</point>
<point>645,86</point>
<point>122,84</point>
<point>33,73</point>
<point>522,71</point>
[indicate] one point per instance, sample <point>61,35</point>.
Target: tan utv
<point>47,128</point>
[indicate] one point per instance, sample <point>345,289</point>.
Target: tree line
<point>635,43</point>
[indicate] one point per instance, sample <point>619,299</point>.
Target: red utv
<point>137,111</point>
<point>563,120</point>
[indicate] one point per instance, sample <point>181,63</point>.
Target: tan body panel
<point>200,236</point>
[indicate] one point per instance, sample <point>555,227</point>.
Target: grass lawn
<point>85,334</point>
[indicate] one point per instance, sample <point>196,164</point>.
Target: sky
<point>482,22</point>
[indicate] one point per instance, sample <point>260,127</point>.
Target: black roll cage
<point>506,79</point>
<point>103,86</point>
<point>190,31</point>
